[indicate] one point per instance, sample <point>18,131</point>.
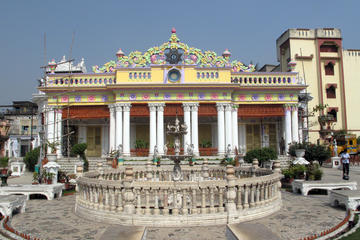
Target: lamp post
<point>41,135</point>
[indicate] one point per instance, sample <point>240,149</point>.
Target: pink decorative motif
<point>91,98</point>
<point>268,97</point>
<point>122,94</point>
<point>180,96</point>
<point>156,94</point>
<point>214,96</point>
<point>242,97</point>
<point>64,98</point>
<point>146,96</point>
<point>153,59</point>
<point>78,98</point>
<point>173,30</point>
<point>224,94</point>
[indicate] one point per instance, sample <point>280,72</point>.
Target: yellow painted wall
<point>351,61</point>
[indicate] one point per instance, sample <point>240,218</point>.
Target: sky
<point>249,29</point>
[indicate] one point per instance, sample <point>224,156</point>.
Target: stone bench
<point>349,198</point>
<point>11,203</point>
<point>50,191</point>
<point>305,186</point>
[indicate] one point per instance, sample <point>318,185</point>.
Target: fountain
<point>178,130</point>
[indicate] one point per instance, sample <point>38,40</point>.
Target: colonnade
<point>120,127</point>
<point>53,123</point>
<point>291,126</point>
<point>227,116</point>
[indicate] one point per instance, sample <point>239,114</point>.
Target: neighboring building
<point>129,101</point>
<point>330,71</point>
<point>22,116</point>
<point>4,130</point>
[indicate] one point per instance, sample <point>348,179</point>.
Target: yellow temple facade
<point>127,103</point>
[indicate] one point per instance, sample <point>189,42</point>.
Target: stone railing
<point>207,195</point>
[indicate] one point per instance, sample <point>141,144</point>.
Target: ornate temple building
<point>225,104</point>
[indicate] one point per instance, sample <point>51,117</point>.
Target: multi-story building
<point>329,71</point>
<point>22,134</point>
<point>225,104</point>
<point>4,130</point>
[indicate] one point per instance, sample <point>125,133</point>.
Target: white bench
<point>10,203</point>
<point>349,198</point>
<point>50,191</point>
<point>305,186</point>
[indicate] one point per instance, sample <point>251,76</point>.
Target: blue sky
<point>248,29</point>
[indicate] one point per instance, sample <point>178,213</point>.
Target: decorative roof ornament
<point>190,56</point>
<point>52,65</point>
<point>119,54</point>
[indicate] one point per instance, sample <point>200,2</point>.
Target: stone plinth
<point>10,203</point>
<point>50,191</point>
<point>17,168</point>
<point>53,168</point>
<point>305,186</point>
<point>335,162</point>
<point>350,198</point>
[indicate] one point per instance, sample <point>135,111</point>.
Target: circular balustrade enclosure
<point>207,195</point>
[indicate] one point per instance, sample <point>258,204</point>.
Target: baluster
<point>101,198</point>
<point>193,201</point>
<point>96,197</point>
<point>166,203</point>
<point>257,201</point>
<point>266,196</point>
<point>239,195</point>
<point>175,210</point>
<point>212,200</point>
<point>118,193</point>
<point>147,201</point>
<point>107,205</point>
<point>138,201</point>
<point>156,202</point>
<point>221,199</point>
<point>252,196</point>
<point>262,194</point>
<point>246,196</point>
<point>113,203</point>
<point>203,200</point>
<point>184,203</point>
<point>91,203</point>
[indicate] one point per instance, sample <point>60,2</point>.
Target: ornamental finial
<point>173,30</point>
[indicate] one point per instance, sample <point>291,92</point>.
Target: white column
<point>187,136</point>
<point>118,125</point>
<point>194,128</point>
<point>160,128</point>
<point>235,127</point>
<point>294,124</point>
<point>221,128</point>
<point>59,132</point>
<point>152,108</point>
<point>287,127</point>
<point>228,126</point>
<point>103,148</point>
<point>50,126</point>
<point>126,128</point>
<point>112,130</point>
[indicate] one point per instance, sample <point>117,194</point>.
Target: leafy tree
<point>262,154</point>
<point>79,149</point>
<point>31,158</point>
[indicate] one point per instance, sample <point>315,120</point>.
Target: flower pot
<point>300,153</point>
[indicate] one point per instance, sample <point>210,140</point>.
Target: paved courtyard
<point>299,216</point>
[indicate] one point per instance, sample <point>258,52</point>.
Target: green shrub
<point>4,161</point>
<point>313,172</point>
<point>139,144</point>
<point>31,158</point>
<point>79,149</point>
<point>312,151</point>
<point>262,154</point>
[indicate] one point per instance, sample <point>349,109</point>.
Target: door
<point>253,138</point>
<point>93,140</point>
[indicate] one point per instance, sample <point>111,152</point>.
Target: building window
<point>329,69</point>
<point>333,112</point>
<point>328,48</point>
<point>331,92</point>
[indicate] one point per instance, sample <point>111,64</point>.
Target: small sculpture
<point>190,149</point>
<point>156,152</point>
<point>228,150</point>
<point>165,149</point>
<point>120,149</point>
<point>335,148</point>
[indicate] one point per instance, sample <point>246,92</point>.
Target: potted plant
<point>35,178</point>
<point>49,177</point>
<point>141,147</point>
<point>53,147</point>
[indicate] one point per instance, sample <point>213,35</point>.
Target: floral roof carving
<point>156,56</point>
